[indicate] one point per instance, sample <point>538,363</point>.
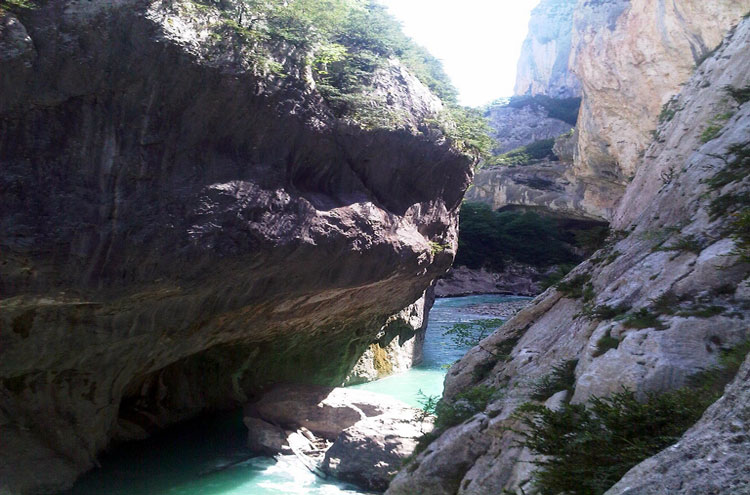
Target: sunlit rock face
<point>670,245</point>
<point>181,229</point>
<point>543,66</point>
<point>632,56</point>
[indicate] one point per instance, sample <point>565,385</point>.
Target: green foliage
<point>605,312</point>
<point>592,239</point>
<point>669,110</point>
<point>605,343</point>
<point>741,95</point>
<point>555,277</point>
<point>643,318</point>
<point>345,42</point>
<point>16,5</point>
<point>470,333</point>
<point>589,447</point>
<point>526,155</point>
<point>464,406</point>
<point>683,243</point>
<point>702,311</point>
<point>715,126</point>
<point>736,169</point>
<point>562,377</point>
<point>739,229</point>
<point>490,239</point>
<point>565,109</point>
<point>574,288</point>
<point>467,128</point>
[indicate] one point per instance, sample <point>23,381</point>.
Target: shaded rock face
<point>516,279</point>
<point>667,247</point>
<point>399,344</point>
<point>543,67</point>
<point>632,56</point>
<point>180,229</point>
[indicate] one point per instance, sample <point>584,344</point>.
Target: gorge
<point>205,199</point>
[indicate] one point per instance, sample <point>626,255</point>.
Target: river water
<point>208,456</point>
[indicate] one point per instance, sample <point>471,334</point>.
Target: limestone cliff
<point>543,66</point>
<point>185,221</point>
<point>680,246</point>
<point>632,56</point>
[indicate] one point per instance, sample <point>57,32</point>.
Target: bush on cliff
<point>345,42</point>
<point>589,447</point>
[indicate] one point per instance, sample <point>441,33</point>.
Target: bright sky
<point>479,41</point>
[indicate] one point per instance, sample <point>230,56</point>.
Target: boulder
<point>370,453</point>
<point>325,411</point>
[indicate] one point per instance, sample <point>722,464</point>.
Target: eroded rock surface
<point>516,279</point>
<point>183,226</point>
<point>669,256</point>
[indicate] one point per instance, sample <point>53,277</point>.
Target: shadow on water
<point>208,456</point>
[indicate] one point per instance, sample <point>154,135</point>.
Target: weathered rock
<point>666,243</point>
<point>325,411</point>
<point>710,459</point>
<point>632,56</point>
<point>513,127</point>
<point>264,437</point>
<point>398,346</point>
<point>516,279</point>
<point>370,453</point>
<point>182,227</point>
<point>543,65</point>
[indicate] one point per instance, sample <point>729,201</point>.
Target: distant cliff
<point>543,66</point>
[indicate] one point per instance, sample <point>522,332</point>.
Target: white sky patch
<point>479,41</point>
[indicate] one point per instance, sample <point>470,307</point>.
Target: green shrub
<point>575,287</point>
<point>470,333</point>
<point>526,155</point>
<point>555,277</point>
<point>464,406</point>
<point>736,169</point>
<point>605,343</point>
<point>16,5</point>
<point>741,95</point>
<point>589,447</point>
<point>562,377</point>
<point>643,318</point>
<point>490,239</point>
<point>683,243</point>
<point>739,229</point>
<point>605,312</point>
<point>701,311</point>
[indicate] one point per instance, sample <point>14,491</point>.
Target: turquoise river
<point>207,456</point>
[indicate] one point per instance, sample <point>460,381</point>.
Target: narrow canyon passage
<point>209,456</point>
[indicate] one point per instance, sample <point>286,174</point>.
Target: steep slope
<point>655,307</point>
<point>543,66</point>
<point>632,56</point>
<point>185,221</point>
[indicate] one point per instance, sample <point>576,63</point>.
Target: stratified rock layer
<point>182,227</point>
<point>667,247</point>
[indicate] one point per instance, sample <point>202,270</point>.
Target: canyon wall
<point>185,222</point>
<point>678,257</point>
<point>543,66</point>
